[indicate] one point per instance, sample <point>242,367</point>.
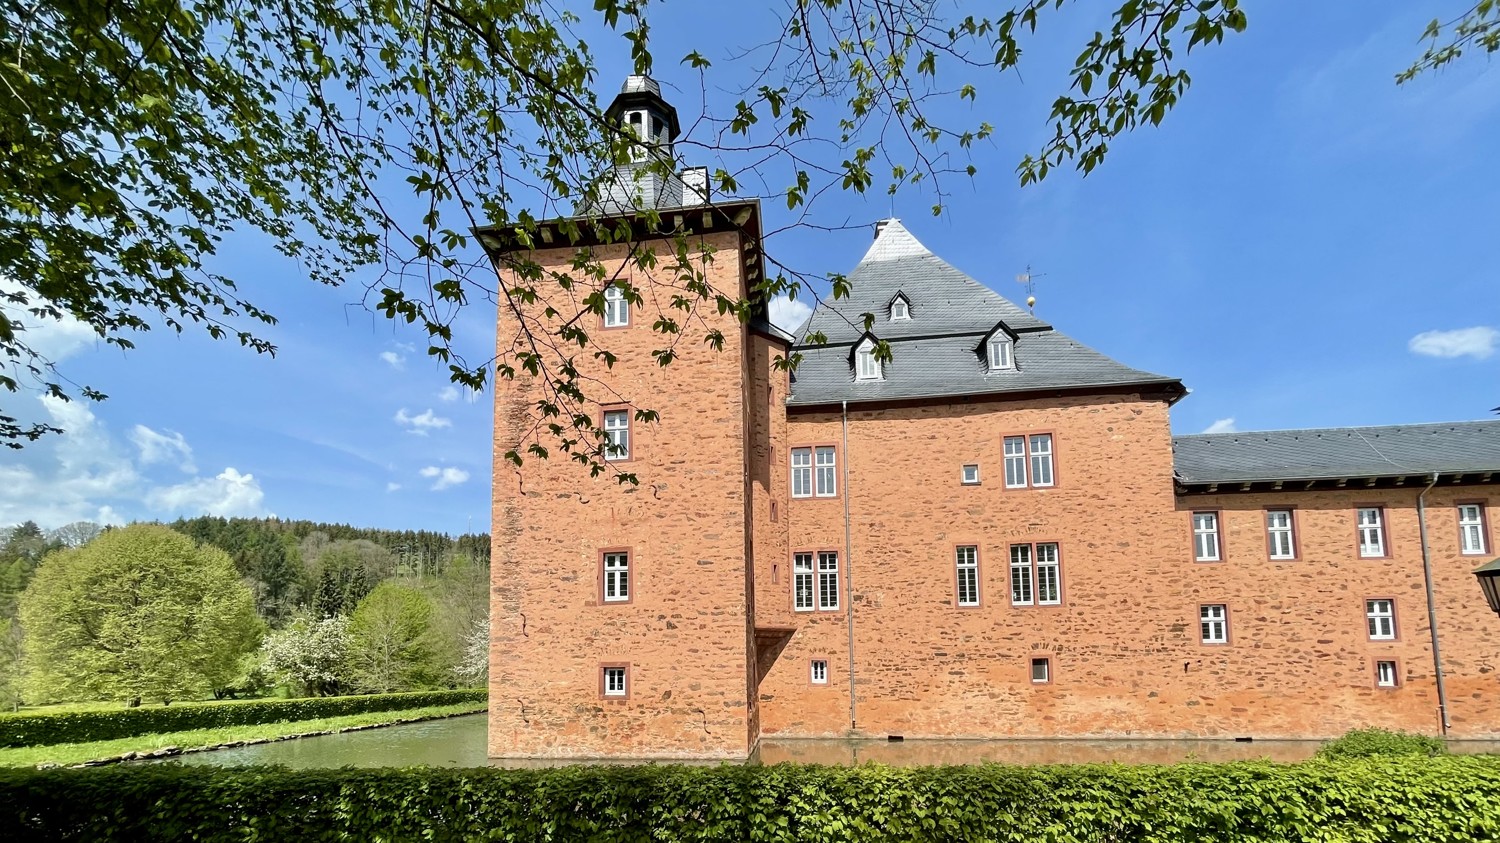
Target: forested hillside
<point>335,608</point>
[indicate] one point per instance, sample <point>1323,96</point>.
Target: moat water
<point>460,742</point>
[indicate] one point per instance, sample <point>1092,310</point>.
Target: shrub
<point>1395,800</point>
<point>41,729</point>
<point>1374,743</point>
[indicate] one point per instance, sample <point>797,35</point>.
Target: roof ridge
<point>1346,428</point>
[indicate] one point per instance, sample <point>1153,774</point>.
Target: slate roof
<point>936,353</point>
<point>1338,452</point>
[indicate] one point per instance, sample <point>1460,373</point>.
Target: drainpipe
<point>849,571</point>
<point>1437,658</point>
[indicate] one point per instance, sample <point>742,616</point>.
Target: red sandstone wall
<point>684,633</point>
<point>1125,649</point>
<point>1301,659</point>
<point>925,666</point>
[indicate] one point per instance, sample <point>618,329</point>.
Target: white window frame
<point>825,471</point>
<point>1015,462</point>
<point>828,581</point>
<point>1041,460</point>
<point>1206,545</point>
<point>970,474</point>
<point>1370,521</point>
<point>1000,354</point>
<point>1472,540</point>
<point>802,472</point>
<point>817,671</point>
<point>866,367</point>
<point>1213,623</point>
<point>804,583</point>
<point>966,575</point>
<point>900,309</point>
<point>616,308</point>
<point>1048,573</point>
<point>616,435</point>
<point>1045,663</point>
<point>611,688</point>
<point>1022,581</point>
<point>1281,539</point>
<point>617,576</point>
<point>1387,674</point>
<point>1380,619</point>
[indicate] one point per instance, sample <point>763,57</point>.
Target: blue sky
<point>1302,242</point>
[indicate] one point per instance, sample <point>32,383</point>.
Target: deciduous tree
<point>139,133</point>
<point>140,613</point>
<point>392,646</point>
<point>310,656</point>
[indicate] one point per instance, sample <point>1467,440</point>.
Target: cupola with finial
<point>640,107</point>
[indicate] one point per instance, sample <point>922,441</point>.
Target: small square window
<point>615,681</point>
<point>819,672</point>
<point>1041,671</point>
<point>971,475</point>
<point>900,309</point>
<point>1385,675</point>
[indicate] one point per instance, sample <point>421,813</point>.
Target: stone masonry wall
<point>1125,650</point>
<point>683,634</point>
<point>1300,651</point>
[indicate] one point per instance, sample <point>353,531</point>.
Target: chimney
<point>695,188</point>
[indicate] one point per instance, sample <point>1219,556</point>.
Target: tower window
<point>655,128</point>
<point>900,309</point>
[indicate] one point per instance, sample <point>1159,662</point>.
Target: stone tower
<point>623,615</point>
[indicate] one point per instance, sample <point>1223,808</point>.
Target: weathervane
<point>1029,280</point>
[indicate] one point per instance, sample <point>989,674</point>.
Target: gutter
<point>1437,658</point>
<point>849,574</point>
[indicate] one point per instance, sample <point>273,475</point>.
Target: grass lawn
<point>77,753</point>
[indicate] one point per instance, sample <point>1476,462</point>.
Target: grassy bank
<point>78,753</point>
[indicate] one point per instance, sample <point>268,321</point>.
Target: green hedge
<point>43,729</point>
<point>1373,743</point>
<point>1434,800</point>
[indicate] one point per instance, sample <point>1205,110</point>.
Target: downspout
<point>1437,658</point>
<point>849,571</point>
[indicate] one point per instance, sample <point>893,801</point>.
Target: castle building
<point>992,533</point>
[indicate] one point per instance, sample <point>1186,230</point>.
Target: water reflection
<point>460,742</point>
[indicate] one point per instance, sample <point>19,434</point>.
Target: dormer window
<point>866,367</point>
<point>900,308</point>
<point>1000,354</point>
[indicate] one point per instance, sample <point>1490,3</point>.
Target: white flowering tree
<point>309,656</point>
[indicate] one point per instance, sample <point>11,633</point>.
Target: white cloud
<point>450,394</point>
<point>1477,342</point>
<point>396,361</point>
<point>54,339</point>
<point>1222,426</point>
<point>86,467</point>
<point>422,423</point>
<point>157,447</point>
<point>392,487</point>
<point>229,494</point>
<point>88,474</point>
<point>446,477</point>
<point>788,314</point>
